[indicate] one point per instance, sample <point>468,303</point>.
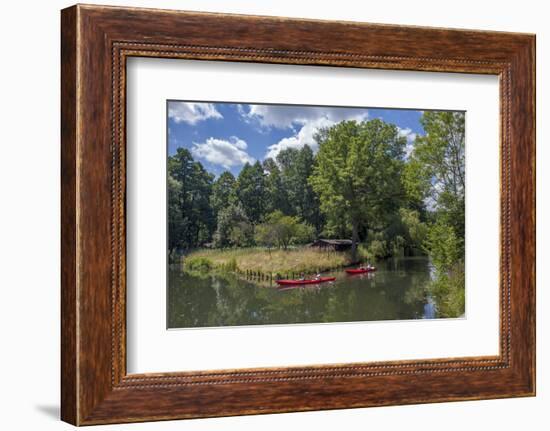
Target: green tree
<point>223,192</point>
<point>242,234</point>
<point>436,170</point>
<point>436,174</point>
<point>443,245</point>
<point>176,222</point>
<point>251,191</point>
<point>282,230</point>
<point>415,230</point>
<point>275,196</point>
<point>297,166</point>
<point>265,234</point>
<point>303,233</point>
<point>358,173</point>
<point>448,286</point>
<point>189,189</point>
<point>233,227</point>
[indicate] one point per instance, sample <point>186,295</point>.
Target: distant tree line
<point>269,203</point>
<point>359,185</point>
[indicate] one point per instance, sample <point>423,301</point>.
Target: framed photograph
<point>264,215</point>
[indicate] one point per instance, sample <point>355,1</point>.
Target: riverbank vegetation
<point>365,183</point>
<point>270,262</point>
<point>436,174</point>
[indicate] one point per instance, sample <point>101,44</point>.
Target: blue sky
<point>224,136</point>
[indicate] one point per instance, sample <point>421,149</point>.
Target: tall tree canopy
<point>189,189</point>
<point>233,227</point>
<point>251,191</point>
<point>223,192</point>
<point>276,196</point>
<point>358,172</point>
<point>297,166</point>
<point>436,171</point>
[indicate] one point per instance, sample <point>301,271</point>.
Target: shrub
<point>363,253</point>
<point>282,230</point>
<point>443,245</point>
<point>378,249</point>
<point>397,246</point>
<point>448,290</point>
<point>198,263</point>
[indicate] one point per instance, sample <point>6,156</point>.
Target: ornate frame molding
<point>96,41</point>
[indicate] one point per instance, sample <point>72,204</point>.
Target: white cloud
<point>226,153</point>
<point>192,113</point>
<point>303,121</point>
<point>411,136</point>
<point>286,116</point>
<point>302,137</point>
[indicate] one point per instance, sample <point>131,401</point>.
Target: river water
<point>396,291</point>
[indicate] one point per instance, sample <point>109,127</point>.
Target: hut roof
<point>335,241</point>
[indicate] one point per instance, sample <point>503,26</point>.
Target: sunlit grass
<point>274,261</point>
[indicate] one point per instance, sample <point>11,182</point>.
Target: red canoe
<point>360,270</point>
<point>299,282</point>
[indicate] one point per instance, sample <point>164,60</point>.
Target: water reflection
<point>397,291</point>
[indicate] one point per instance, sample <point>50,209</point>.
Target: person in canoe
<point>318,276</point>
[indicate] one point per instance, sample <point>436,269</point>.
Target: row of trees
<point>435,173</point>
<point>359,185</point>
<point>270,203</point>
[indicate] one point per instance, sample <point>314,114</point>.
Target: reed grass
<point>270,261</point>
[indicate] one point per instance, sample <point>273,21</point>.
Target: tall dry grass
<point>274,261</point>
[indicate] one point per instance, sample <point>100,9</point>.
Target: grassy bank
<point>264,261</point>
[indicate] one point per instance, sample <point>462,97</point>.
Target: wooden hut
<point>332,244</point>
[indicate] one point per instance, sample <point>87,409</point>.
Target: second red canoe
<point>360,270</point>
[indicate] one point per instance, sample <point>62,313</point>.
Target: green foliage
<point>447,253</point>
<point>436,171</point>
<point>223,192</point>
<point>443,246</point>
<point>417,181</point>
<point>198,264</point>
<point>303,233</point>
<point>403,235</point>
<point>448,291</point>
<point>378,249</point>
<point>191,220</point>
<point>336,228</point>
<point>281,230</point>
<point>397,246</point>
<point>276,196</point>
<point>233,228</point>
<point>358,173</point>
<point>266,235</point>
<point>363,253</point>
<point>297,165</point>
<point>177,224</point>
<point>251,190</point>
<point>414,229</point>
<point>242,234</point>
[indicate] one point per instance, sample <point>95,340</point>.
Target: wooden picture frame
<point>95,43</point>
